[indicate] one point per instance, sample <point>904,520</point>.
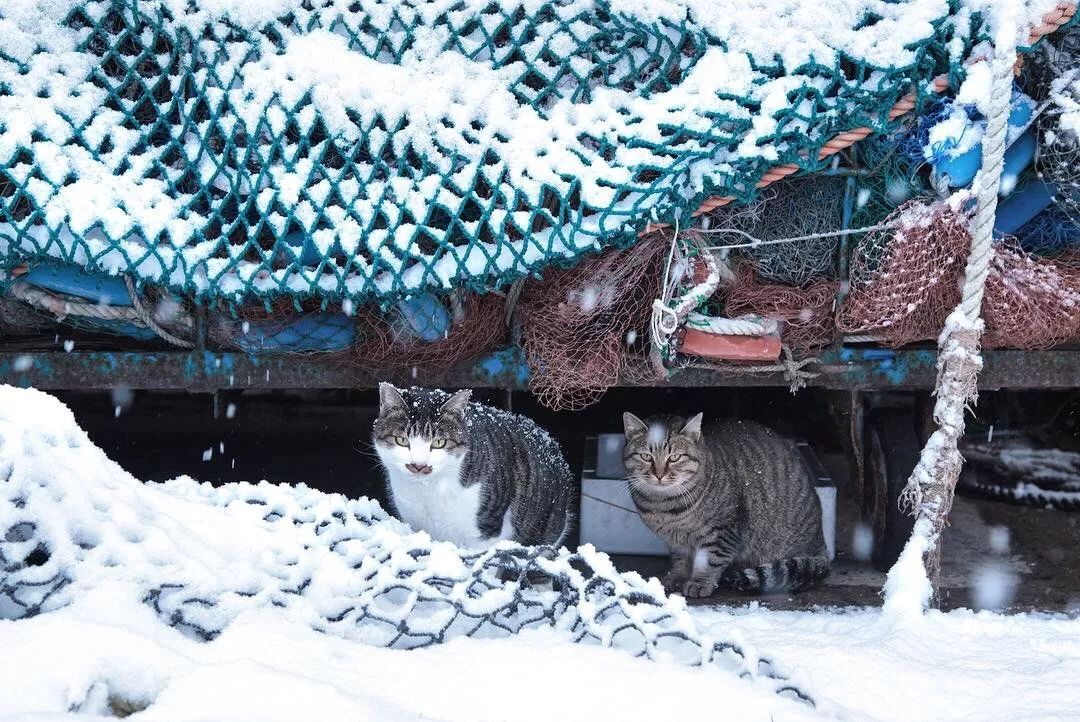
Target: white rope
<point>754,242</point>
<point>929,491</point>
<point>64,306</point>
<point>666,317</point>
<point>148,320</point>
<point>748,325</point>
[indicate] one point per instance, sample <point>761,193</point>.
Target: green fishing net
<point>328,149</point>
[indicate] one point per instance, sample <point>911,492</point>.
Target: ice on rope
<point>197,143</point>
<point>72,522</point>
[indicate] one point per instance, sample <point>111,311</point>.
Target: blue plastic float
<point>959,170</point>
<point>71,280</point>
<point>319,331</point>
<point>424,316</point>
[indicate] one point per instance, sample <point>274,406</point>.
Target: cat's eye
<point>676,457</point>
<point>645,457</point>
<point>438,443</point>
<point>401,441</point>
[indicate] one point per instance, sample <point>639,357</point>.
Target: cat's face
<point>421,433</point>
<point>662,452</point>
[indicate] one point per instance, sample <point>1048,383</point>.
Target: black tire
<point>891,449</point>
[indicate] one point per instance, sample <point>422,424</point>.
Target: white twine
<point>754,242</point>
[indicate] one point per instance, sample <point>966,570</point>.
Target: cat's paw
<point>698,588</point>
<point>673,582</point>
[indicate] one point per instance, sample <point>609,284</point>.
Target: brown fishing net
<point>906,280</point>
<point>386,342</point>
<point>806,311</point>
<point>281,327</point>
<point>1030,302</point>
<point>578,324</point>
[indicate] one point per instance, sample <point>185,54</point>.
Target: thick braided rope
<point>62,307</point>
<point>930,489</point>
<point>667,318</point>
<point>147,318</point>
<point>993,155</point>
<point>741,326</point>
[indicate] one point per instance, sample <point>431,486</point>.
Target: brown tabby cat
<point>734,503</point>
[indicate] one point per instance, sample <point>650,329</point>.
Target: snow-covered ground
<point>957,666</point>
<point>100,649</point>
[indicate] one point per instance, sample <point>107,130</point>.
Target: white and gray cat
<point>734,502</point>
<point>471,474</point>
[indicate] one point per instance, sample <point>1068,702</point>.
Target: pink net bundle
<point>807,310</point>
<point>1030,302</point>
<point>581,326</point>
<point>385,341</point>
<point>903,287</point>
<point>905,281</point>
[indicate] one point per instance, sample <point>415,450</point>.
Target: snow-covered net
<point>1055,69</point>
<point>336,149</point>
<point>71,521</point>
<point>1031,302</point>
<point>906,280</point>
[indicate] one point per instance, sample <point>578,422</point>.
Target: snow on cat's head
<point>421,433</point>
<point>662,451</point>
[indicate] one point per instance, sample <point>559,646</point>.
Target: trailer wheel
<point>891,450</point>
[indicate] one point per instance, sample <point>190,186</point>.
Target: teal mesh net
<point>366,150</point>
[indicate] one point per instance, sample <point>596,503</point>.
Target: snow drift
<point>196,557</point>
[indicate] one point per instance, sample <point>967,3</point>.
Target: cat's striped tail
<point>788,575</point>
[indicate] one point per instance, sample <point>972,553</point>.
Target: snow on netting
<point>335,149</point>
<point>1059,156</point>
<point>906,280</point>
<point>71,520</point>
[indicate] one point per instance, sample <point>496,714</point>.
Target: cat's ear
<point>633,426</point>
<point>692,430</point>
<point>389,397</point>
<point>457,403</point>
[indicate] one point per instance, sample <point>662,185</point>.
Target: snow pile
<point>959,665</point>
<point>264,668</point>
<point>231,148</point>
<point>73,526</point>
